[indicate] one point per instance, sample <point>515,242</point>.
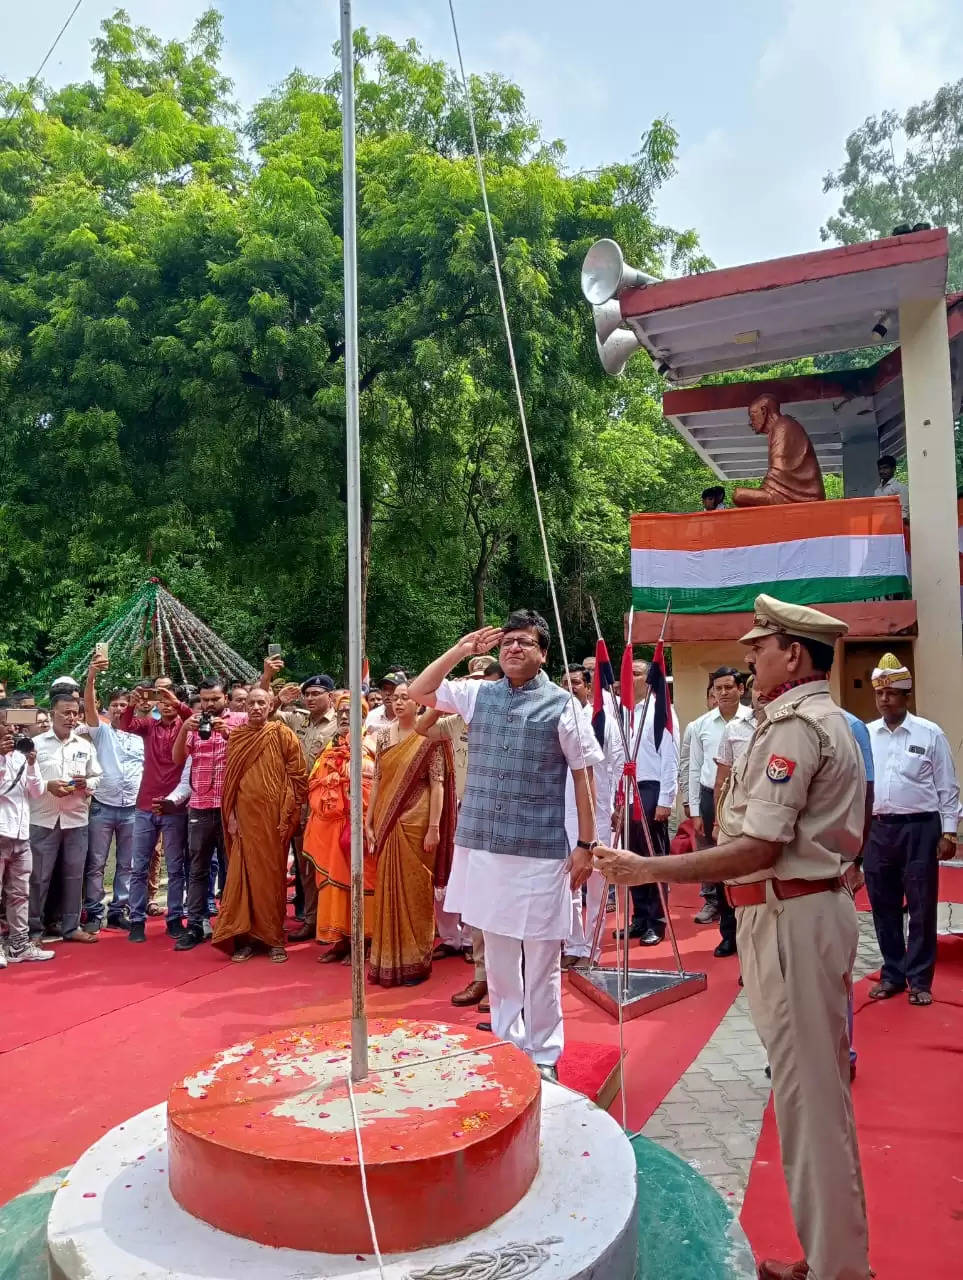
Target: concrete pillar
<point>860,453</point>
<point>927,399</point>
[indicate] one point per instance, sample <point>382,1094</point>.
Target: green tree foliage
<point>171,354</point>
<point>904,168</point>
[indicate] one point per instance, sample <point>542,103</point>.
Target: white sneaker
<point>30,952</point>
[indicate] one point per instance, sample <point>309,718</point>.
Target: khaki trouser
<point>797,962</point>
<point>478,954</point>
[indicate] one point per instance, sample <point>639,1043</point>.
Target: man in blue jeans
<point>121,757</point>
<point>161,775</point>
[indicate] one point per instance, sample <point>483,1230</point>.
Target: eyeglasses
<point>518,643</point>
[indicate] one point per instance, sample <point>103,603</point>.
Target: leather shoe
<point>772,1270</point>
<point>444,951</point>
<point>636,930</point>
<point>483,1026</point>
<point>725,949</point>
<point>484,1005</point>
<point>304,934</point>
<point>650,938</point>
<point>472,994</point>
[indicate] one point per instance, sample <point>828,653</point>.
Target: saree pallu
<point>327,841</point>
<point>264,788</point>
<point>404,911</point>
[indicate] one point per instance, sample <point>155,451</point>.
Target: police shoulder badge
<point>780,768</point>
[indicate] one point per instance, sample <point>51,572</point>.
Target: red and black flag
<point>655,678</point>
<point>604,679</point>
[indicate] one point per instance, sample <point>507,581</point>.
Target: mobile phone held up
<point>102,650</point>
<point>274,651</point>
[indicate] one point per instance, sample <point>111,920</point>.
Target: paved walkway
<point>713,1117</point>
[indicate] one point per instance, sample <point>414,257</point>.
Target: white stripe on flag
<point>838,556</point>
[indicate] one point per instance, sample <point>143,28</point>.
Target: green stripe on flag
<point>740,597</point>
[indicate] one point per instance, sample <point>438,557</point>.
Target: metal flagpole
<point>359,1022</point>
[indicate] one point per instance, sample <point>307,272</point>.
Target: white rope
<point>510,1262</point>
<point>364,1180</point>
<point>523,419</point>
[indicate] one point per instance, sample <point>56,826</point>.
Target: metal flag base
<point>645,989</point>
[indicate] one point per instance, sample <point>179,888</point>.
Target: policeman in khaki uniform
<point>790,822</point>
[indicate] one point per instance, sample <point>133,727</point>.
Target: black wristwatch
<point>586,844</point>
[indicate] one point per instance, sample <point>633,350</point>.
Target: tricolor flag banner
<point>604,679</point>
<point>805,552</point>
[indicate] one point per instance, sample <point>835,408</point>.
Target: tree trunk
<point>478,588</point>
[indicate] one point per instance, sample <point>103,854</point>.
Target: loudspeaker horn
<point>614,352</point>
<point>606,274</point>
<point>608,318</point>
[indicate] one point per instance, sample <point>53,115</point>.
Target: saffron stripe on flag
<point>740,598</point>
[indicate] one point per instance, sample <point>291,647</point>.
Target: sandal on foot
<point>337,951</point>
<point>885,991</point>
<point>278,955</point>
<point>242,954</point>
<point>920,997</point>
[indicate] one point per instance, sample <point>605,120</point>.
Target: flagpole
<point>359,1023</point>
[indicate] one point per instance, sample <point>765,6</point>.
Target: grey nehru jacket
<point>514,800</point>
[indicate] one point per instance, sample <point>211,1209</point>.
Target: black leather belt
<point>897,819</point>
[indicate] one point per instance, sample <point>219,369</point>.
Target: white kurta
<point>519,897</point>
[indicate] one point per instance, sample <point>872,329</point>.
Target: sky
<point>762,92</point>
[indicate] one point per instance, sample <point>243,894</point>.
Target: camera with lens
<point>205,725</point>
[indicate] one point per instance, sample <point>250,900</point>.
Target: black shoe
<point>93,926</point>
<point>546,1071</point>
<point>175,928</point>
<point>636,930</point>
<point>118,922</point>
<point>483,1026</point>
<point>650,938</point>
<point>725,948</point>
<point>189,939</point>
<point>137,933</point>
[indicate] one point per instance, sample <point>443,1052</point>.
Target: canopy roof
<point>785,308</point>
<point>714,420</point>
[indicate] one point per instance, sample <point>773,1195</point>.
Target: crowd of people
<point>494,801</point>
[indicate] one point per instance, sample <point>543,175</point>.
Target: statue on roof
<point>794,474</point>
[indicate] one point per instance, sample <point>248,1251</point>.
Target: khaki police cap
<point>774,617</point>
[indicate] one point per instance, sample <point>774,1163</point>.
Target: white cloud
<point>756,192</point>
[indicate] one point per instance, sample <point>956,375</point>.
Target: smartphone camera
<point>205,725</point>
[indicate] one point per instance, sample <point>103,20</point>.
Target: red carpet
<point>100,1032</point>
<point>909,1114</point>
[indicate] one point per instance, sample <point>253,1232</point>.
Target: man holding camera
<point>59,816</point>
<point>20,782</point>
<point>203,737</point>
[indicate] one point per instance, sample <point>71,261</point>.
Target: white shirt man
<point>703,749</point>
<point>606,764</point>
<point>70,770</point>
<point>20,782</point>
<point>894,489</point>
<point>915,815</point>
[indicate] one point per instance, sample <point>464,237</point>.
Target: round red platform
<point>262,1143</point>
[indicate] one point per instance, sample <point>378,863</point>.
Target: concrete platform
<point>114,1217</point>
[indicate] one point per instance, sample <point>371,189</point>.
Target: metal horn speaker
<point>606,274</point>
<point>608,318</point>
<point>615,351</point>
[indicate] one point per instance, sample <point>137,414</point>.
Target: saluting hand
<point>621,867</point>
<point>479,642</point>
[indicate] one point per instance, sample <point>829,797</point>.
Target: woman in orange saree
<point>411,828</point>
<point>265,785</point>
<point>327,837</point>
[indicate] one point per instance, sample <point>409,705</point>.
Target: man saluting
<point>512,873</point>
<point>790,821</point>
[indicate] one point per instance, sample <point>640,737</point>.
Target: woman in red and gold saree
<point>265,785</point>
<point>411,828</point>
<point>327,837</point>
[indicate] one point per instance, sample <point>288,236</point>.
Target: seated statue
<point>794,474</point>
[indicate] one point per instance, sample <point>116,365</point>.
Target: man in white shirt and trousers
<point>512,873</point>
<point>20,782</point>
<point>70,769</point>
<point>606,763</point>
<point>915,814</point>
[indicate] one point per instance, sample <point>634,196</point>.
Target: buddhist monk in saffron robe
<point>265,785</point>
<point>794,474</point>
